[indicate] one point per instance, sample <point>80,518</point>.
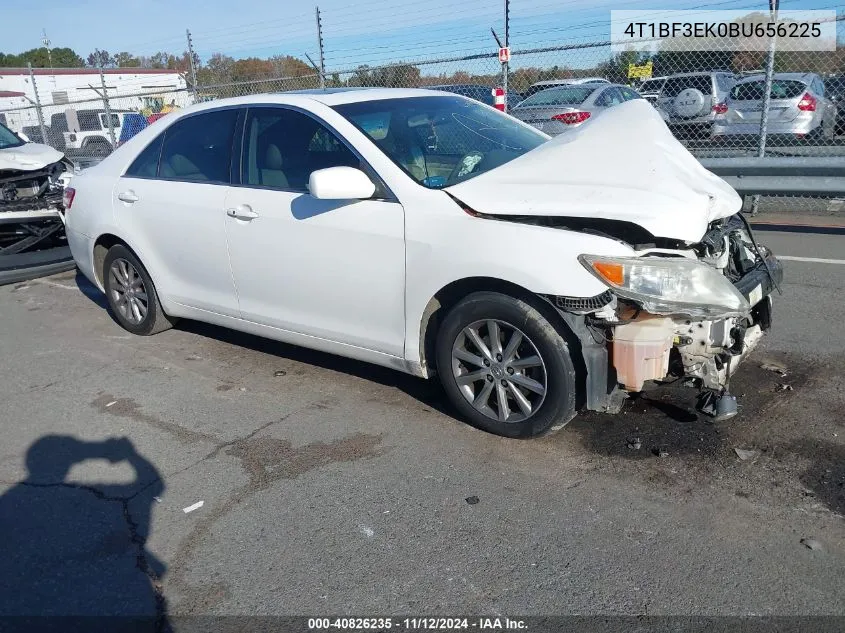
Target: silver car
<point>557,83</point>
<point>798,108</point>
<point>688,101</point>
<point>557,110</point>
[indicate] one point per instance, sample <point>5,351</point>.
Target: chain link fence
<point>714,101</point>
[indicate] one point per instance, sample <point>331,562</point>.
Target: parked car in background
<point>835,89</point>
<point>556,110</point>
<point>32,184</point>
<point>93,137</point>
<point>650,89</point>
<point>554,83</point>
<point>483,94</point>
<point>688,101</point>
<point>365,222</point>
<point>798,109</point>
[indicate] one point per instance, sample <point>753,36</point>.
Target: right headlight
<point>669,285</point>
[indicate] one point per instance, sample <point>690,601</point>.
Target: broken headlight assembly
<point>675,285</point>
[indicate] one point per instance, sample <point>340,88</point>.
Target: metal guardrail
<point>792,176</point>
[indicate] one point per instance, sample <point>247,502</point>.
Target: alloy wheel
<point>128,293</point>
<point>499,370</point>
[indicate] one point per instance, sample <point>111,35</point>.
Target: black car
<point>484,94</point>
<point>835,88</point>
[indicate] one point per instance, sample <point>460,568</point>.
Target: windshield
<point>8,138</point>
<point>440,141</point>
<point>567,95</point>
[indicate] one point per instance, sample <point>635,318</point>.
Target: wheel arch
<point>101,247</point>
<point>448,296</point>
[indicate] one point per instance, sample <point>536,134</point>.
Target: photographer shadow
<point>72,552</point>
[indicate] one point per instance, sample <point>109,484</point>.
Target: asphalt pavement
<point>330,486</point>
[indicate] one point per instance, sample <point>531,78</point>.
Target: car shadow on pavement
<point>79,549</point>
<point>427,392</point>
<point>91,291</point>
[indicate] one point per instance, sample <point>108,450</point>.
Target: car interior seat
<point>270,171</point>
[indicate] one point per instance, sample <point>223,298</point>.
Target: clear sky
<point>355,31</point>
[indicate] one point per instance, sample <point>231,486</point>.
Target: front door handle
<point>242,212</point>
<point>128,196</point>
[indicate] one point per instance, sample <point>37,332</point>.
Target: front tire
<point>131,295</point>
<point>505,367</point>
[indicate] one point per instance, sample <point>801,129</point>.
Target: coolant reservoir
<point>641,350</point>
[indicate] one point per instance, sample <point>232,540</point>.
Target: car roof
<point>329,97</point>
<point>701,73</point>
<point>806,77</point>
<point>571,81</point>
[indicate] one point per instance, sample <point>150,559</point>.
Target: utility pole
<point>320,44</point>
<point>767,97</point>
<point>107,106</point>
<point>193,66</point>
<point>46,42</point>
<point>507,44</point>
<point>38,110</point>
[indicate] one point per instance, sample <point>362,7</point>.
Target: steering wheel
<point>465,167</point>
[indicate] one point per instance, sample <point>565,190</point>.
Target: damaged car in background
<point>32,183</point>
<point>437,236</point>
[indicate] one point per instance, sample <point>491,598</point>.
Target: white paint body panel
<point>354,277</point>
<point>29,157</point>
<point>622,165</point>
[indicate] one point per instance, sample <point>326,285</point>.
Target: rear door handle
<point>128,196</point>
<point>242,212</point>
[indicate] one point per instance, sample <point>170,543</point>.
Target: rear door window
<point>676,85</point>
<point>282,147</point>
<point>199,147</point>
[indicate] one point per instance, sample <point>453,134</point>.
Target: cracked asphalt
<point>334,487</point>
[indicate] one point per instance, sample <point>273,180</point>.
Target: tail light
<point>67,197</point>
<point>571,118</point>
<point>807,103</point>
<point>720,108</point>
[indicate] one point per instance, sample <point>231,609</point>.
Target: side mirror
<point>340,183</point>
<point>23,137</point>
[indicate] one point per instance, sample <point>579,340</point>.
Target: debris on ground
<point>782,386</point>
<point>660,451</point>
<point>775,367</point>
<point>157,499</point>
<point>811,543</point>
<point>195,506</point>
<point>747,454</point>
<point>634,443</point>
<point>472,500</point>
<point>279,373</point>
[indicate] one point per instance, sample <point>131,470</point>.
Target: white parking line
<point>814,260</point>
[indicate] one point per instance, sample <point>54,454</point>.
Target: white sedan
<point>432,234</point>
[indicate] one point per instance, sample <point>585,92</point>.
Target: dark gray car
<point>557,110</point>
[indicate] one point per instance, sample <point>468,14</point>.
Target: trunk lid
<point>623,164</point>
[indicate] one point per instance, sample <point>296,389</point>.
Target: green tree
<point>126,60</point>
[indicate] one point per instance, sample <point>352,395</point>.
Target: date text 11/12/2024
<point>415,624</point>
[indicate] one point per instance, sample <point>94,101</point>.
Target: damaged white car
<point>32,182</point>
<point>435,235</point>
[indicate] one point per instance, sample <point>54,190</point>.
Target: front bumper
<point>653,347</point>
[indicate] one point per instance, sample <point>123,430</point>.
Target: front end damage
<point>32,240</point>
<point>630,338</point>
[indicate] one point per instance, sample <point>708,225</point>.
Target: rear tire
<point>521,385</point>
<point>131,294</point>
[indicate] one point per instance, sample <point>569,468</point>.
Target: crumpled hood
<point>29,156</point>
<point>622,165</point>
